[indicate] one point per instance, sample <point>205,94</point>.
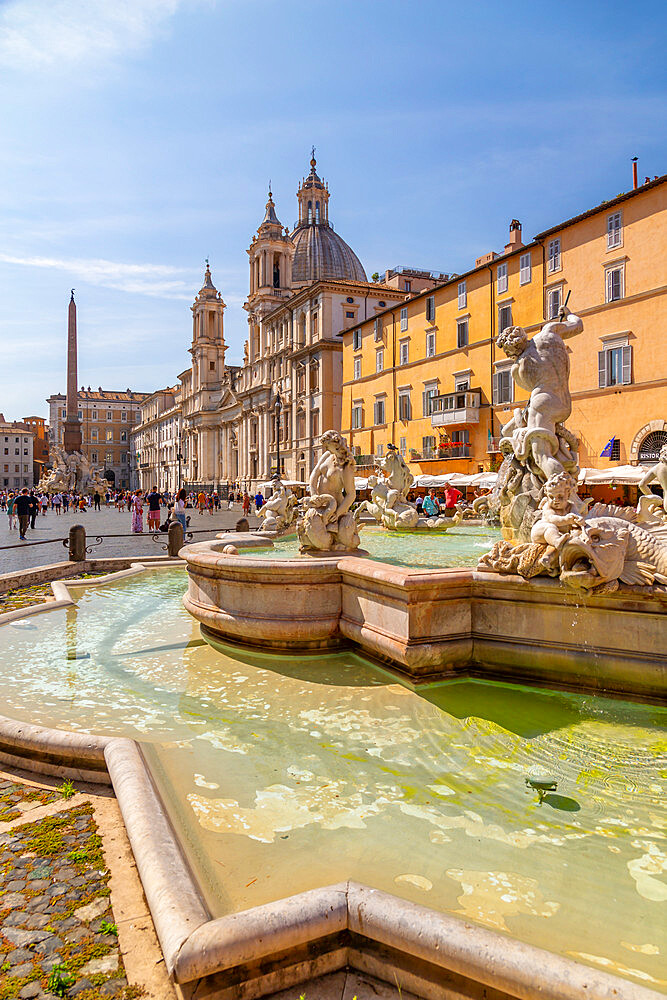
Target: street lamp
<point>277,406</point>
<point>179,456</point>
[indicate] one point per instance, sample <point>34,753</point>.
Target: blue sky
<point>139,137</point>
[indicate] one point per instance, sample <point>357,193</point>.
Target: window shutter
<point>627,365</point>
<point>602,369</point>
<point>610,286</point>
<point>495,387</point>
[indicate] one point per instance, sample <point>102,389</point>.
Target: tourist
<point>201,501</point>
<point>246,503</point>
<point>153,499</point>
<point>34,508</point>
<point>181,499</point>
<point>23,508</point>
<point>57,502</point>
<point>452,497</point>
<point>137,512</point>
<point>97,500</point>
<point>11,513</point>
<point>259,500</point>
<point>430,505</point>
<point>418,504</point>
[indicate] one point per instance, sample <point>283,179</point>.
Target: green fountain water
<point>285,773</point>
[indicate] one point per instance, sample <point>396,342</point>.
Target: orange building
<point>426,375</point>
<point>40,444</point>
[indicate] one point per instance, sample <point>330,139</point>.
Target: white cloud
<point>161,280</point>
<point>44,34</point>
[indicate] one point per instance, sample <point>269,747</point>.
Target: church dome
<point>320,253</point>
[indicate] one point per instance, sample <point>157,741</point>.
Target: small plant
<point>60,981</point>
<point>107,928</point>
<point>67,789</point>
<point>78,855</point>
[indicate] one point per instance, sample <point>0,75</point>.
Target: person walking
<point>34,508</point>
<point>11,513</point>
<point>97,500</point>
<point>246,504</point>
<point>57,503</point>
<point>259,500</point>
<point>180,508</point>
<point>153,500</point>
<point>23,509</point>
<point>137,513</point>
<point>430,505</point>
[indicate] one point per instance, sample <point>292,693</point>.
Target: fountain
<point>322,758</point>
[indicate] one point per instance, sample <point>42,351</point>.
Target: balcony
<point>493,447</point>
<point>451,450</point>
<point>367,461</point>
<point>455,408</point>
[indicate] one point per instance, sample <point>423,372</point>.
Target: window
<point>211,366</point>
<point>378,412</point>
<point>615,450</point>
<point>615,365</point>
<point>356,416</point>
<point>123,415</point>
<point>614,282</point>
<point>525,269</point>
<point>502,278</point>
<point>503,386</point>
<point>404,319</point>
<point>349,315</point>
<point>462,333</point>
<point>315,424</point>
<point>403,352</point>
<point>109,415</point>
<point>614,231</point>
<point>463,295</point>
<point>25,451</point>
<point>408,286</point>
<point>430,345</point>
<point>429,394</point>
<point>504,317</point>
<point>64,414</point>
<point>109,435</point>
<point>553,256</point>
<point>377,328</point>
<point>380,451</point>
<point>402,446</point>
<point>379,361</point>
<point>428,446</point>
<point>93,434</point>
<point>404,405</point>
<point>357,368</point>
<point>109,457</point>
<point>430,309</point>
<point>356,340</point>
<point>554,299</point>
<point>123,435</point>
<point>93,457</point>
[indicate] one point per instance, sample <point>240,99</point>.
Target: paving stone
<point>112,987</point>
<point>109,963</point>
<point>80,986</point>
<point>92,910</point>
<point>21,937</point>
<point>15,885</point>
<point>12,899</point>
<point>51,961</point>
<point>17,956</point>
<point>48,945</point>
<point>20,971</point>
<point>36,920</point>
<point>30,990</point>
<point>15,919</point>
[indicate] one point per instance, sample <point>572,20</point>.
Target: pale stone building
<point>16,440</point>
<point>155,442</point>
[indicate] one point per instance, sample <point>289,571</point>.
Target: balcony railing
<point>441,454</point>
<point>367,461</point>
<point>455,408</point>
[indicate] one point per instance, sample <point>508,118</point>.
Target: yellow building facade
<point>426,375</point>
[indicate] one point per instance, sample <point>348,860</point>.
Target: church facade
<point>241,425</point>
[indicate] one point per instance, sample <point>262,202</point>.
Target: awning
<point>622,475</point>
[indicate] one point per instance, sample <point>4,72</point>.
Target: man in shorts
<point>153,499</point>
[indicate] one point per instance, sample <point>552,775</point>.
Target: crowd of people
<point>25,506</point>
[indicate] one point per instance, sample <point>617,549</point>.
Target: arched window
<point>317,211</point>
<point>649,449</point>
<point>310,212</point>
<point>276,271</point>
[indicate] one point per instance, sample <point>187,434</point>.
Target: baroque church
<point>239,426</point>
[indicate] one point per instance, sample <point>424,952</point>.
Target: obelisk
<point>72,425</point>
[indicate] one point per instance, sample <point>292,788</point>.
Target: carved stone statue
<point>389,504</point>
<point>650,504</point>
<point>326,523</point>
<point>279,511</point>
<point>72,472</point>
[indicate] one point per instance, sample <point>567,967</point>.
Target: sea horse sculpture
<point>326,523</point>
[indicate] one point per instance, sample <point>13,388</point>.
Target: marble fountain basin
<point>291,813</point>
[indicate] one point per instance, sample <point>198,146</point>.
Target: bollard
<point>175,538</point>
<point>242,524</point>
<point>77,543</point>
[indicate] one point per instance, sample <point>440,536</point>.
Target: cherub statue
<point>650,503</point>
<point>561,510</point>
<point>278,512</point>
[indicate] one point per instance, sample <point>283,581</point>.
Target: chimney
<point>515,236</point>
<point>635,185</point>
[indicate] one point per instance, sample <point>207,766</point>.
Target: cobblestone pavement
<point>59,929</point>
<point>104,522</point>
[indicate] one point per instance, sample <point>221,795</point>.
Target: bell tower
<point>208,341</point>
<point>270,259</point>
